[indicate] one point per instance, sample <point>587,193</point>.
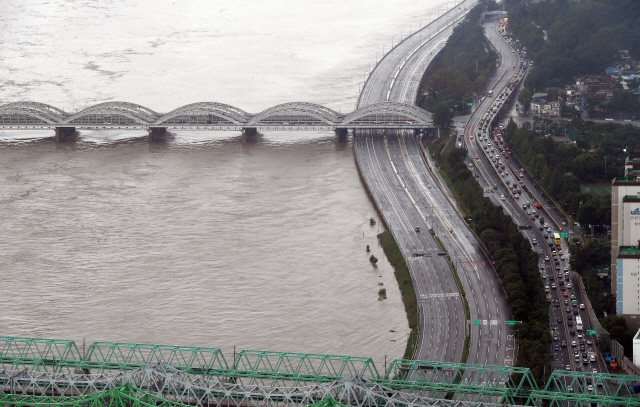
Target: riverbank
<point>401,271</point>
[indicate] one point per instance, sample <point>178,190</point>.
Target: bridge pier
<point>66,134</point>
<point>342,134</point>
<point>249,133</point>
<point>157,133</point>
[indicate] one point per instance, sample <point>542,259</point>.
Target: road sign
<point>564,235</point>
<point>469,104</point>
<point>592,332</point>
<point>477,322</point>
<point>511,323</point>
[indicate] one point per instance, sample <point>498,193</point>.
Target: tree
<point>442,116</point>
<point>524,98</point>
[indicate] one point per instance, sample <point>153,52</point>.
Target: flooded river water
<point>205,239</point>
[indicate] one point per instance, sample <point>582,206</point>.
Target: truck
<point>538,205</point>
<point>578,324</point>
<point>541,220</point>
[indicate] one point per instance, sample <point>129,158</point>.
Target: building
<point>625,241</point>
<point>636,349</point>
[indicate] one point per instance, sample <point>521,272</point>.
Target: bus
<point>556,238</point>
<point>578,324</point>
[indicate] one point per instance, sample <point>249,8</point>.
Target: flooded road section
<point>203,240</point>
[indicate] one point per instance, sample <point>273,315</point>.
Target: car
<point>561,257</point>
<point>546,258</point>
<point>590,386</point>
<point>573,297</point>
<point>573,302</point>
<point>557,267</point>
<point>556,347</point>
<point>555,338</point>
<point>593,359</point>
<point>547,289</point>
<point>566,302</point>
<point>569,286</point>
<point>559,320</point>
<point>568,309</point>
<point>417,230</point>
<point>575,311</point>
<point>589,342</point>
<point>582,306</point>
<point>564,223</point>
<point>570,317</point>
<point>574,344</point>
<point>564,344</point>
<point>502,197</point>
<point>572,333</point>
<point>553,285</point>
<point>566,294</point>
<point>570,323</point>
<point>567,367</point>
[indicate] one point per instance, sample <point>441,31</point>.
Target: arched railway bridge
<point>299,116</point>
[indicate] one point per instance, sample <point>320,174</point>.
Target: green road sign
<point>511,323</point>
<point>469,104</point>
<point>564,235</point>
<point>477,322</point>
<point>592,332</point>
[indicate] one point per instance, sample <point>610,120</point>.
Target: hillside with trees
<point>583,37</point>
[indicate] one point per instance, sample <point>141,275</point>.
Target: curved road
<point>411,196</point>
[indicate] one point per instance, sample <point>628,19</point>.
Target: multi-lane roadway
<point>412,199</point>
<point>499,171</point>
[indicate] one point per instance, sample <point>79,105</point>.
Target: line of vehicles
<point>580,349</point>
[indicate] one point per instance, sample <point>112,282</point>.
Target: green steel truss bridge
<point>53,372</point>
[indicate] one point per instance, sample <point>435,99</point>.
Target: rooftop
<point>625,179</point>
<point>629,251</point>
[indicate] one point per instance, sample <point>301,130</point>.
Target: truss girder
<point>193,359</point>
<point>164,383</point>
<point>437,377</point>
<point>289,112</point>
<point>260,369</point>
<point>300,369</point>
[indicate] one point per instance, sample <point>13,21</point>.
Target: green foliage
<point>515,262</point>
<point>372,221</point>
<point>462,67</point>
<point>618,330</point>
<point>583,258</point>
<point>373,259</point>
<point>583,36</point>
<point>524,98</point>
<point>560,169</point>
<point>442,116</point>
<point>401,271</point>
<point>382,292</point>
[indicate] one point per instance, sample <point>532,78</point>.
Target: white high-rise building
<point>625,240</point>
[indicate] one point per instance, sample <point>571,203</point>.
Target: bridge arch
<point>204,113</point>
<point>109,113</point>
<point>42,109</point>
<point>388,113</point>
<point>293,113</point>
<point>15,116</point>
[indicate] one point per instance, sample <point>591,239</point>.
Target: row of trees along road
<point>460,70</point>
<point>515,261</point>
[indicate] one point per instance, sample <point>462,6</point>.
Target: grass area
<point>596,189</point>
<point>401,271</point>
